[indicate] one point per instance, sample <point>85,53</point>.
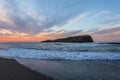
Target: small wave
<point>108,43</point>
<point>62,55</point>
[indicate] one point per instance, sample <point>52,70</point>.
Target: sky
<point>38,20</point>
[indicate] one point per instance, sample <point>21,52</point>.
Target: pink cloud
<point>110,37</point>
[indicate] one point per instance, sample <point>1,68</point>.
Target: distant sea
<point>61,51</point>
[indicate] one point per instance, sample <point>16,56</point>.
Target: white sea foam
<point>64,55</point>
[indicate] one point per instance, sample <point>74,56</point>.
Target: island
<point>75,39</point>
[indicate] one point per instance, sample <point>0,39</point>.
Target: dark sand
<point>11,70</point>
<point>75,70</point>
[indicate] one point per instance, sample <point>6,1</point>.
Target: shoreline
<point>10,69</point>
<point>75,70</point>
<point>65,69</point>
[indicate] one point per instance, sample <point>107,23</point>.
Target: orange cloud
<point>4,31</point>
<point>21,39</point>
<point>14,36</point>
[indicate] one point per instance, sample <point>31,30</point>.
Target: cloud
<point>111,19</point>
<point>99,14</point>
<point>31,21</point>
<point>108,30</point>
<point>12,36</point>
<point>77,18</point>
<point>104,17</point>
<point>23,19</point>
<point>4,32</point>
<point>22,23</point>
<point>111,37</point>
<point>71,33</point>
<point>4,17</point>
<point>58,34</point>
<point>111,34</point>
<point>103,13</point>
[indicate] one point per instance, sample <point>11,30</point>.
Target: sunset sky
<point>38,20</point>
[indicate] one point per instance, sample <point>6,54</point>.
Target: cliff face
<point>85,38</point>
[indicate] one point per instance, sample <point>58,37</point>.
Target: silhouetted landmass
<point>77,39</point>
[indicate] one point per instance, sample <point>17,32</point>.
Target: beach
<point>34,69</point>
<point>75,70</point>
<point>10,69</point>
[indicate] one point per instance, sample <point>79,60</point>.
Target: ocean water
<point>61,51</point>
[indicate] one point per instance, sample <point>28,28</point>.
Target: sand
<point>10,69</point>
<point>75,70</point>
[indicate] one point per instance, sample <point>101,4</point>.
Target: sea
<point>61,51</point>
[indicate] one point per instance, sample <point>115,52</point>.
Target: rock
<point>77,39</point>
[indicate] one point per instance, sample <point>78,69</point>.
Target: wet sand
<point>10,69</point>
<point>75,70</point>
